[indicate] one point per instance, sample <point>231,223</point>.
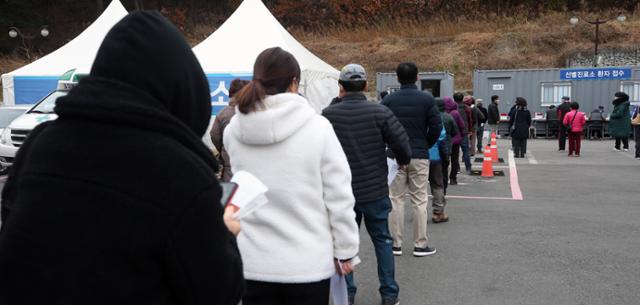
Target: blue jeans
<point>376,215</point>
<point>465,152</point>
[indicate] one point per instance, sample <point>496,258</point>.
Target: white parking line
<point>531,158</point>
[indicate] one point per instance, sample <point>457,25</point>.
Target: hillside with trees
<point>454,35</point>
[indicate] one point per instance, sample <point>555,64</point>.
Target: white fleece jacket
<point>309,219</point>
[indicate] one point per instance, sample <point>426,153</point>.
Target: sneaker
<point>638,158</point>
<point>426,251</point>
<point>391,301</point>
<point>570,155</point>
<point>440,217</point>
<point>626,149</point>
<point>397,251</point>
<point>616,149</point>
<point>577,156</point>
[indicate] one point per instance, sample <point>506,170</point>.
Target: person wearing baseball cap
<point>563,109</point>
<point>364,130</point>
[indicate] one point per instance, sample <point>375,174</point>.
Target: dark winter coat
<point>452,108</point>
<point>217,131</point>
<point>467,117</point>
<point>619,121</point>
<point>365,129</point>
<point>563,109</point>
<point>417,112</point>
<point>116,201</point>
<point>521,118</point>
<point>449,125</point>
<point>493,114</point>
<point>485,115</point>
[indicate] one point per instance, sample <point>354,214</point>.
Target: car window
<point>8,115</point>
<point>48,103</point>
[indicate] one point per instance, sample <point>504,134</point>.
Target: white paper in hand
<point>393,170</point>
<point>250,194</point>
<point>339,290</point>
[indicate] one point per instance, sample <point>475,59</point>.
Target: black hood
<point>145,76</point>
<point>620,98</point>
<point>146,51</point>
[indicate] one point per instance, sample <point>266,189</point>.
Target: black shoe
<point>397,251</point>
<point>352,299</point>
<point>453,182</point>
<point>426,251</point>
<point>391,301</point>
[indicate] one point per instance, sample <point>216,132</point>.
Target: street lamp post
<point>27,44</point>
<point>575,20</point>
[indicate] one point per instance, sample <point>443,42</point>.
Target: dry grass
<point>456,46</point>
<point>460,47</point>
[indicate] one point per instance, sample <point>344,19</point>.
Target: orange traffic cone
<point>494,149</point>
<point>487,165</point>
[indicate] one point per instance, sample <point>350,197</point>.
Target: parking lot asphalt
<point>574,238</point>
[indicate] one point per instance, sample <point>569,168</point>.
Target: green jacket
<point>620,123</point>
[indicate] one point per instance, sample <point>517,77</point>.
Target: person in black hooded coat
<point>519,123</point>
<point>116,201</point>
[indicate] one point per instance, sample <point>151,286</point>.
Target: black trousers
<point>264,293</point>
<point>455,161</point>
<point>562,137</point>
<point>519,146</point>
<point>636,137</point>
<point>625,142</point>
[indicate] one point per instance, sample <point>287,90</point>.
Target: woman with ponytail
<point>306,232</point>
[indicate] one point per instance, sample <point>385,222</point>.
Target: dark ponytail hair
<point>274,72</point>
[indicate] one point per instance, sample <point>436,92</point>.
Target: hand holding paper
<point>250,196</point>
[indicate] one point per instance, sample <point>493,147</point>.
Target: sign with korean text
<point>595,74</point>
<point>498,87</point>
<point>219,89</point>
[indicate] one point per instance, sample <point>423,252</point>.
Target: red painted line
<point>480,198</point>
<point>516,192</point>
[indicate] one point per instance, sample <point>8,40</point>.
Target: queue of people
<point>129,232</point>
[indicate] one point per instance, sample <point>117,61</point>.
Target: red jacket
<point>577,125</point>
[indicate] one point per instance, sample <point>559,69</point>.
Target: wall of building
<point>509,84</point>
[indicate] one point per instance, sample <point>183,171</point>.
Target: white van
<point>16,133</point>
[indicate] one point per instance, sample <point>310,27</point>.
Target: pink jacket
<point>578,123</point>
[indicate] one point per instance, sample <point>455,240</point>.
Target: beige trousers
<point>414,180</point>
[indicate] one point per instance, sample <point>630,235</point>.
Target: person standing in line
<point>597,119</point>
<point>79,228</point>
<point>439,171</point>
<point>470,101</point>
<point>417,112</point>
<point>636,130</point>
<point>519,124</point>
<point>493,114</point>
<point>552,121</point>
<point>220,123</point>
<point>619,122</point>
<point>451,108</point>
<point>563,109</point>
<point>306,231</point>
<point>482,120</point>
<point>574,121</point>
<point>465,113</point>
<point>365,129</point>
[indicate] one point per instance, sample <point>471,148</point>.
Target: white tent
<point>232,50</point>
<point>28,84</point>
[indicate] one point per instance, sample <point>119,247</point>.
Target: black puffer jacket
<point>116,202</point>
<point>521,119</point>
<point>493,114</point>
<point>365,129</point>
<point>418,113</point>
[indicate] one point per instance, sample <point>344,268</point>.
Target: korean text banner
<point>219,86</point>
<point>595,74</point>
